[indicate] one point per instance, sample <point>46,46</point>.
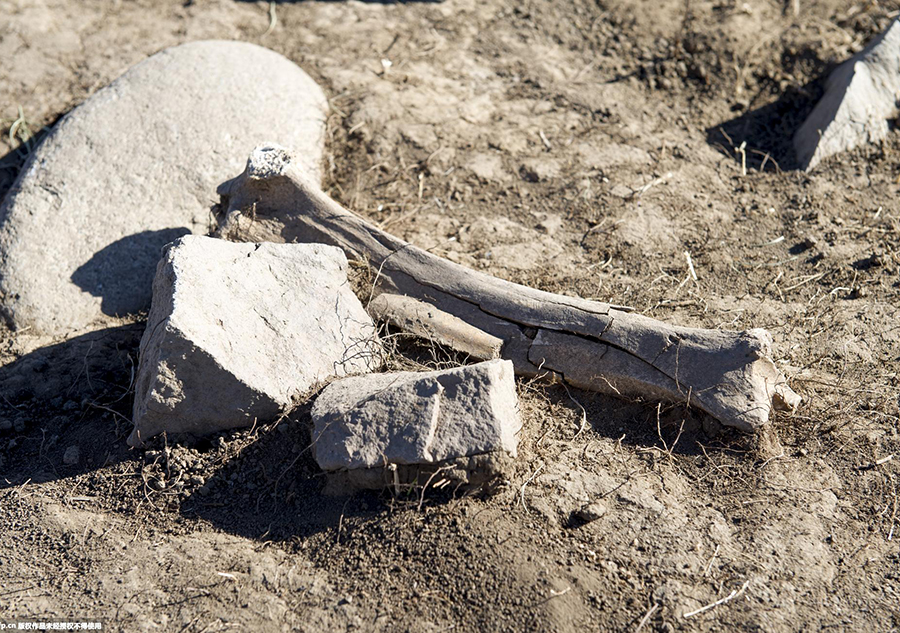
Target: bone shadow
<point>632,421</point>
<point>73,393</point>
<point>121,274</point>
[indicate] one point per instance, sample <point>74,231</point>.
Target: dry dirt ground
<point>581,147</point>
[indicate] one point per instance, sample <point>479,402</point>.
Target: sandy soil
<point>581,147</point>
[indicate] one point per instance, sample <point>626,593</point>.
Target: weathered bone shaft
<point>588,344</point>
<point>426,321</point>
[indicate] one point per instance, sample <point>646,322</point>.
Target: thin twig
<point>544,140</point>
<point>876,463</point>
<point>646,617</point>
<point>806,281</point>
<point>528,481</point>
<point>712,558</point>
<point>273,19</point>
<point>583,424</point>
<point>425,487</point>
<point>690,264</point>
<point>644,189</point>
<point>341,521</point>
<point>734,594</point>
<point>742,150</point>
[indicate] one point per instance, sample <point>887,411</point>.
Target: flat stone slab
<point>241,332</point>
<point>860,101</point>
<point>136,166</point>
<point>369,422</point>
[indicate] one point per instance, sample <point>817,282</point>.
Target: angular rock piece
<point>423,418</point>
<point>135,167</point>
<point>238,332</point>
<point>861,98</point>
<point>591,512</point>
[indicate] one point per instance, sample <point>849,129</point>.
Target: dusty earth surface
<point>581,147</point>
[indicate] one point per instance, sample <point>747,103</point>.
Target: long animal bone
<point>587,344</point>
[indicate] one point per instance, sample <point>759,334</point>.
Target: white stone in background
<point>136,166</point>
<point>416,417</point>
<point>239,332</point>
<point>860,100</point>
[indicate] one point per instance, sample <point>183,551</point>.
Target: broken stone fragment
<point>859,103</point>
<point>416,418</point>
<point>135,167</point>
<point>591,512</point>
<point>239,332</point>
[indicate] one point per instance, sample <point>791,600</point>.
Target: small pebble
<point>591,512</point>
<point>72,455</point>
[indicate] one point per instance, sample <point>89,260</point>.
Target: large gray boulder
<point>136,166</point>
<point>860,101</point>
<point>240,332</point>
<point>416,418</point>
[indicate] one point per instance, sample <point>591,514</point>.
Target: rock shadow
<point>121,274</point>
<point>274,489</point>
<point>10,166</point>
<point>70,394</point>
<point>768,131</point>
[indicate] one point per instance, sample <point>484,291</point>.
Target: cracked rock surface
<point>135,167</point>
<point>416,417</point>
<point>239,332</point>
